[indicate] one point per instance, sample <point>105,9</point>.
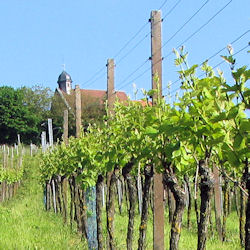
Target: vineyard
<point>200,140</point>
<point>24,222</point>
<point>162,172</point>
<point>102,182</point>
<point>11,171</point>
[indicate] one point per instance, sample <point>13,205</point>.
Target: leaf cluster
<point>207,123</point>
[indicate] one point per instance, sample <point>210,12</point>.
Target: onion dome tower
<point>65,82</point>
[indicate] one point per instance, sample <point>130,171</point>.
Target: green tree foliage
<point>38,99</point>
<point>22,111</point>
<point>56,113</point>
<point>93,111</point>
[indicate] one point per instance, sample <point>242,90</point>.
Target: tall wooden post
<point>18,140</point>
<point>157,84</point>
<point>64,178</point>
<point>110,85</point>
<point>217,190</point>
<point>50,128</point>
<point>111,99</point>
<point>156,55</point>
<point>78,111</point>
<point>43,141</point>
<point>31,148</point>
<point>217,200</point>
<point>50,132</point>
<point>65,126</point>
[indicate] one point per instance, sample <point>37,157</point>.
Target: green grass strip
<point>24,223</point>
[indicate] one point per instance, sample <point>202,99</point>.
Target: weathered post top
<point>110,84</point>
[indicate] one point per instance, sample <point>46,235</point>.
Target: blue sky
<point>37,37</point>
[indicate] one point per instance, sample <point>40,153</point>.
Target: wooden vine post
<point>156,58</point>
<point>50,132</point>
<point>43,141</point>
<point>217,200</point>
<point>75,187</point>
<point>50,129</point>
<point>86,224</point>
<point>65,126</point>
<point>78,111</point>
<point>110,85</point>
<point>76,197</point>
<point>64,184</point>
<point>47,197</point>
<point>111,177</point>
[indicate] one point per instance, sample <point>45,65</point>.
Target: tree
<point>15,118</point>
<point>93,111</point>
<point>22,111</point>
<point>38,100</point>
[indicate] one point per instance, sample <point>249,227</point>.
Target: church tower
<point>65,82</point>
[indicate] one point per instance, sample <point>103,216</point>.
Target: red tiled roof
<point>92,96</point>
<point>144,102</point>
<point>121,96</point>
<point>101,94</point>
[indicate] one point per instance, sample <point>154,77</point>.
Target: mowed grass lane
<point>24,223</point>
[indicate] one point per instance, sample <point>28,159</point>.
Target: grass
<point>24,224</point>
<point>188,239</point>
